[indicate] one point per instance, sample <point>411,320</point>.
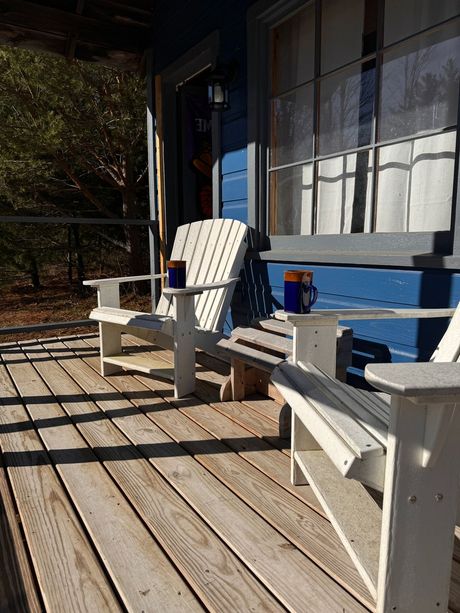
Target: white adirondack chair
<point>185,318</point>
<point>406,444</point>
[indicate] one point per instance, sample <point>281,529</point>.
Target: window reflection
<point>420,81</point>
<point>291,200</point>
<point>292,133</point>
<point>346,108</point>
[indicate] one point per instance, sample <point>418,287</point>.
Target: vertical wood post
<point>184,345</point>
<point>109,334</point>
<point>316,343</point>
<point>419,513</point>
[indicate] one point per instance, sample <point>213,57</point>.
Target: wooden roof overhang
<point>112,32</point>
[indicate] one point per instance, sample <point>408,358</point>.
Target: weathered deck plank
<point>141,572</point>
<point>213,571</point>
<point>17,584</point>
<point>204,481</point>
<point>292,577</point>
<point>67,569</point>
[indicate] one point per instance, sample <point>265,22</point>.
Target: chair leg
<point>184,345</point>
<point>238,379</point>
<point>110,344</point>
<point>301,440</point>
<point>419,513</point>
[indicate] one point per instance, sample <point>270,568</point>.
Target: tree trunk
<point>34,273</point>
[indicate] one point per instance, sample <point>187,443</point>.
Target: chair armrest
<point>117,280</point>
<point>438,379</point>
<point>199,288</point>
<point>355,314</point>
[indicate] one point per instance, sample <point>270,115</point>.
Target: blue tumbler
<point>299,292</point>
<point>176,273</point>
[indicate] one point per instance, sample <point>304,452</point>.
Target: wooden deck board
<point>291,576</point>
<point>206,484</point>
<point>18,590</point>
<point>211,569</point>
<point>68,572</point>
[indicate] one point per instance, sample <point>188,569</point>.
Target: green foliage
<point>73,143</point>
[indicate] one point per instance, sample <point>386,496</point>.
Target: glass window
<point>344,194</point>
<point>292,133</point>
<point>293,51</point>
<point>407,17</point>
<point>346,108</point>
<point>347,35</point>
<point>415,185</point>
<point>291,200</point>
<point>420,80</point>
<point>348,153</point>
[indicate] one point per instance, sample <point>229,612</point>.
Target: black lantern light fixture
<point>218,92</point>
<point>218,87</point>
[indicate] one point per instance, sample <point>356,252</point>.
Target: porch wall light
<point>218,90</point>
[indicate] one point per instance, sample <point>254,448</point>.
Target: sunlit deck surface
<point>117,497</point>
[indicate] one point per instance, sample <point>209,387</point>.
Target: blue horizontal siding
<point>349,287</point>
<point>234,161</point>
<point>236,209</point>
<point>235,186</point>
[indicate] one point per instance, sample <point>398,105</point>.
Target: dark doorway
<point>194,150</point>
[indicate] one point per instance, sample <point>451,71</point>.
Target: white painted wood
<point>263,339</point>
<point>348,402</point>
<point>184,345</point>
<point>416,379</point>
<point>448,349</point>
<point>419,512</point>
<point>316,344</point>
<point>111,281</point>
<point>311,386</point>
<point>351,509</point>
<point>108,295</point>
<point>214,252</point>
<point>355,314</point>
<point>340,453</point>
<point>143,363</point>
<point>201,287</point>
<point>110,343</point>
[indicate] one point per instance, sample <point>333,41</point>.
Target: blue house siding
<point>354,287</point>
<point>180,26</point>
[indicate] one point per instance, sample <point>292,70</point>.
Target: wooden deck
<point>114,496</point>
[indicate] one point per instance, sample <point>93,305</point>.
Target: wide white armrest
<point>354,314</point>
<point>115,280</point>
<point>200,288</point>
<point>438,379</point>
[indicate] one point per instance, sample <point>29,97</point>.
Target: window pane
<point>411,16</point>
<point>292,127</point>
<point>415,184</point>
<point>291,200</point>
<point>344,194</point>
<point>420,84</point>
<point>346,106</point>
<point>293,49</point>
<point>348,31</point>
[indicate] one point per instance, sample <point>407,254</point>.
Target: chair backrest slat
<point>214,251</point>
<point>448,349</point>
